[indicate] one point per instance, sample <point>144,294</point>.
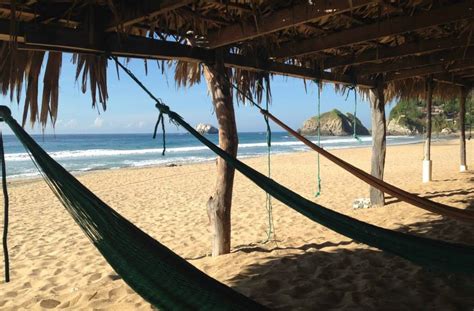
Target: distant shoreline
<point>447,140</point>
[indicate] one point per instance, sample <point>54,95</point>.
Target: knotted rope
<point>355,116</point>
<point>319,189</point>
<point>159,103</point>
<point>271,225</point>
<point>6,208</point>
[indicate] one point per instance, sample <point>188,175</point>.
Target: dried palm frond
<point>33,70</point>
<point>187,74</point>
<point>49,105</point>
<point>94,70</point>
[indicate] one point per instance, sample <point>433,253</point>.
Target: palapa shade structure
<point>387,48</point>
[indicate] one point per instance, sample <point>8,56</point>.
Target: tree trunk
<point>462,128</point>
<point>219,205</point>
<point>379,132</point>
<point>427,164</point>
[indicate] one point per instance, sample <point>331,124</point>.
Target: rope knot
<point>162,108</point>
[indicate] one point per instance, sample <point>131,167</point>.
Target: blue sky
<point>129,110</point>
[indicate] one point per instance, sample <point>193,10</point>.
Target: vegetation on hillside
<point>445,114</point>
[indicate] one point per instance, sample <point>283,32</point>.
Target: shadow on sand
<point>325,278</point>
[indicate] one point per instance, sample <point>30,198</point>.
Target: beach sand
<point>53,265</point>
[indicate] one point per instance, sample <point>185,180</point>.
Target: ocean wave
<point>164,161</point>
<point>96,153</point>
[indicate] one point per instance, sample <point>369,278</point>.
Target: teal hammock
<point>168,281</point>
<point>155,272</point>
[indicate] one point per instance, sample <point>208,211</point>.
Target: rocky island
<point>333,123</point>
<point>203,128</point>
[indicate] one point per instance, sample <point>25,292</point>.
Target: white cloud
<point>98,122</point>
<point>71,124</point>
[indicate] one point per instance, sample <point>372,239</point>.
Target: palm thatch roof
<point>401,43</point>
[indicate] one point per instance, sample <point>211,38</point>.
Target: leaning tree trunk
<point>379,133</point>
<point>219,204</point>
<point>462,128</point>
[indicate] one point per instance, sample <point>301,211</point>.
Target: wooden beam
<point>388,27</point>
<point>149,9</point>
<point>462,129</point>
<point>427,70</point>
<point>233,6</point>
<point>449,78</point>
<point>411,48</point>
<point>282,19</point>
<point>43,37</point>
<point>427,163</point>
<point>413,62</point>
<point>379,141</point>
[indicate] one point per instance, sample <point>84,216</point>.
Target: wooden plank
<point>43,37</point>
<point>462,129</point>
<point>449,78</point>
<point>427,70</point>
<point>150,9</point>
<point>282,19</point>
<point>413,62</point>
<point>389,27</point>
<point>384,53</point>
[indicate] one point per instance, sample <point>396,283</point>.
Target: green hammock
<point>156,273</point>
<point>128,249</point>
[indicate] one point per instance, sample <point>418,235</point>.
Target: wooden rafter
<point>150,9</point>
<point>432,69</point>
<point>42,37</point>
<point>282,19</point>
<point>416,61</point>
<point>449,78</point>
<point>384,53</point>
<point>388,27</point>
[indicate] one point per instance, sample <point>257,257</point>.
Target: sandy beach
<point>308,267</point>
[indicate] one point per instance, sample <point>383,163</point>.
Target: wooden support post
<point>379,133</point>
<point>427,163</point>
<point>219,205</point>
<point>462,128</point>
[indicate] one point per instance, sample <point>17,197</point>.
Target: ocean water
<point>87,152</point>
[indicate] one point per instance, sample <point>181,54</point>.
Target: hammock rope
<point>423,251</point>
<point>163,130</point>
<point>318,190</point>
<point>5,211</point>
<point>155,272</point>
<point>168,281</point>
<point>269,206</point>
<point>354,122</point>
<point>405,196</point>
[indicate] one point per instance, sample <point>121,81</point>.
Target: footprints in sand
<point>94,277</point>
<point>49,303</point>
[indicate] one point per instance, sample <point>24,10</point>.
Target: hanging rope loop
<point>354,120</point>
<point>318,192</point>
<point>6,210</point>
<point>271,226</point>
<point>161,119</point>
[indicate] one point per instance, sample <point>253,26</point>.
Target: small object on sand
<point>172,165</point>
<point>361,203</point>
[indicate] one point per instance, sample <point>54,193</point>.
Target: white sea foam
<point>181,151</point>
